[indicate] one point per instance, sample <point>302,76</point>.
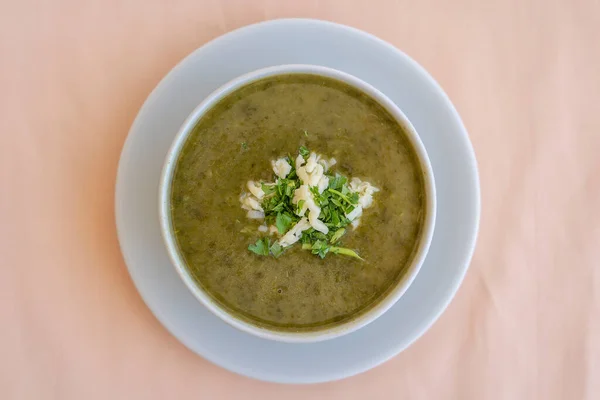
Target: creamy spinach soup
<point>306,283</point>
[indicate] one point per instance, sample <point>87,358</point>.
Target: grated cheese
<point>281,167</point>
<point>295,232</point>
<point>365,192</point>
<point>253,214</point>
<point>310,173</point>
<point>250,203</point>
<point>327,164</point>
<point>256,189</point>
<point>356,213</point>
<point>303,193</point>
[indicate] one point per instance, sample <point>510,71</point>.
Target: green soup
<point>235,142</point>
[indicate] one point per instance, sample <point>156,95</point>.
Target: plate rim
<point>472,162</point>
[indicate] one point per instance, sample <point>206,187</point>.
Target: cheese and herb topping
<point>306,205</point>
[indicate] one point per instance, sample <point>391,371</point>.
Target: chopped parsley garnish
<point>283,222</point>
<point>261,247</point>
<point>337,235</point>
<point>304,151</point>
<point>335,201</point>
<point>276,250</point>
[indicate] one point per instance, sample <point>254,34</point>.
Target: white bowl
<point>179,263</point>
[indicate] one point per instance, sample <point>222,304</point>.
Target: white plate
<point>298,41</point>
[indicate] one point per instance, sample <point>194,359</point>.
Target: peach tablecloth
<point>525,76</point>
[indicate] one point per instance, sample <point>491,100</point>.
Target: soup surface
<point>236,141</point>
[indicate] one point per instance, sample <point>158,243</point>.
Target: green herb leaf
<point>319,235</point>
<point>261,247</point>
<point>320,198</point>
<point>337,202</point>
<point>346,252</point>
<point>289,189</point>
<point>337,235</point>
<point>337,182</point>
<point>283,222</point>
<point>320,248</point>
<point>268,189</point>
<point>335,218</point>
<point>281,184</point>
<point>343,196</point>
<point>278,207</point>
<point>277,250</point>
<point>299,206</point>
<point>244,146</point>
<point>304,151</point>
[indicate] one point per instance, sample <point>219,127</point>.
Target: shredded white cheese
<point>303,193</point>
<point>323,183</point>
<point>365,192</point>
<point>317,223</point>
<point>253,214</point>
<point>299,161</point>
<point>327,163</point>
<point>311,163</point>
<point>295,232</point>
<point>263,228</point>
<point>249,202</point>
<point>310,173</point>
<point>356,213</point>
<point>256,189</point>
<point>281,167</point>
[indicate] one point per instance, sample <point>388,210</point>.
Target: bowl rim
<point>393,295</point>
